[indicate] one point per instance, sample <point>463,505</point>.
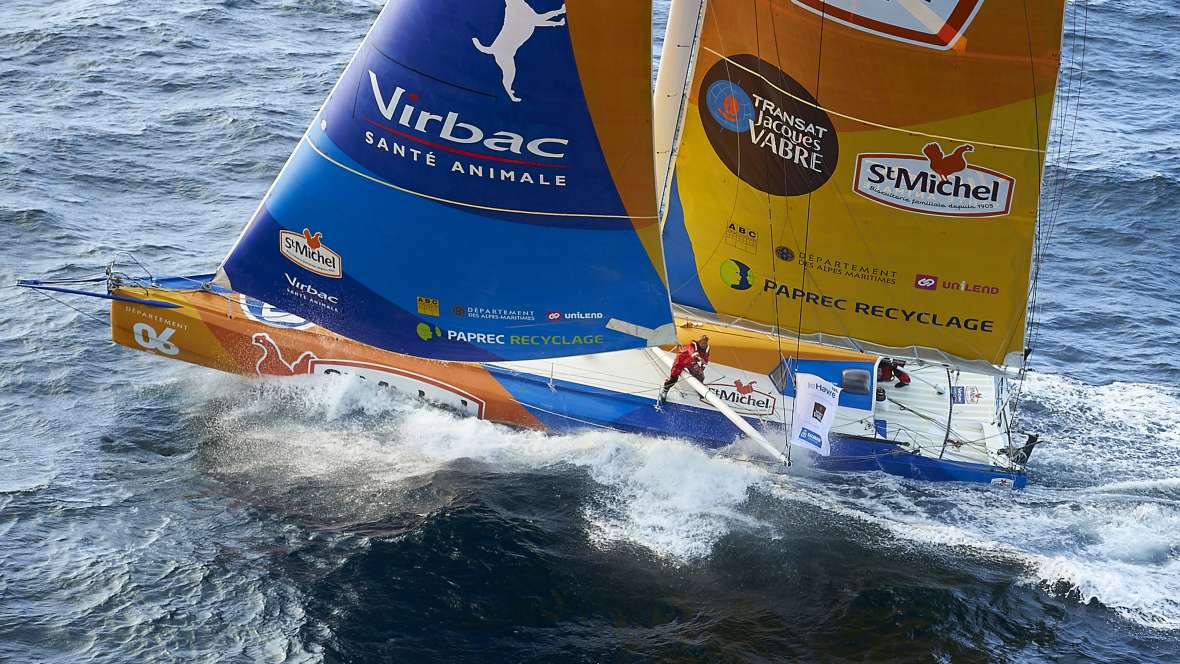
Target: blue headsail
<point>478,186</point>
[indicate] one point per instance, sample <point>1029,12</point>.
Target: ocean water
<point>151,511</point>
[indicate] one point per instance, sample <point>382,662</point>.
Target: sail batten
<point>479,186</point>
<point>861,175</point>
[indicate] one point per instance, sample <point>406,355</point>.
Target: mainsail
<point>478,186</point>
<point>864,173</point>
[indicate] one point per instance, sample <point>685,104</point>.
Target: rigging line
<point>1032,67</point>
<point>1054,218</point>
<point>1051,226</point>
<point>1038,245</point>
<point>1053,182</point>
<point>70,306</point>
<point>950,414</point>
<point>628,386</point>
<point>573,370</point>
<point>571,417</point>
<point>1079,64</point>
<point>1077,104</point>
<point>200,284</point>
<point>980,442</point>
<point>846,336</point>
<point>1058,128</point>
<point>1068,94</point>
<point>131,257</point>
<point>1054,185</point>
<point>913,132</point>
<point>778,337</point>
<point>737,183</point>
<point>924,416</point>
<point>819,57</point>
<point>1012,399</point>
<point>133,285</point>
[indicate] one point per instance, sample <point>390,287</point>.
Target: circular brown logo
<point>766,127</point>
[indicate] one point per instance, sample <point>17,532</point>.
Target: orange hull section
<point>217,330</point>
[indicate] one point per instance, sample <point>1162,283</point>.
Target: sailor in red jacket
<point>694,357</point>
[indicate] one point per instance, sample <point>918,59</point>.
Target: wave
<point>1164,488</point>
<point>1092,531</point>
<point>668,497</point>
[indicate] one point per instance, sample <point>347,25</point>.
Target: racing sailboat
<point>491,212</point>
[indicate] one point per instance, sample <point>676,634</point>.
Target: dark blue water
<point>151,511</point>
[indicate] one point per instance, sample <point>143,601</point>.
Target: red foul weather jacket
<point>690,357</point>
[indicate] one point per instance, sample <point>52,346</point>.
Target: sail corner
<point>220,278</point>
<point>660,336</point>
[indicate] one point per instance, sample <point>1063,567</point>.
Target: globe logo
<point>729,105</point>
<point>735,274</point>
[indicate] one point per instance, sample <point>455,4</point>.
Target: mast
<point>678,59</point>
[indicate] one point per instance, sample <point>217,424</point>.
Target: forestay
<point>865,173</point>
<point>478,186</point>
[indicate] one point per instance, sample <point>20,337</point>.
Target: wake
<point>1091,527</point>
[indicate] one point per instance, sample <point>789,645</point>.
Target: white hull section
<point>915,417</point>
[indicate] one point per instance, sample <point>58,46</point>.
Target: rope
<point>1056,189</point>
<point>806,226</point>
<point>778,336</point>
<point>87,314</point>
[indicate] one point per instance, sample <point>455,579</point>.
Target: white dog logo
<point>520,21</point>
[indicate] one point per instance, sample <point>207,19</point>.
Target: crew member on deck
<point>694,357</point>
<point>889,369</point>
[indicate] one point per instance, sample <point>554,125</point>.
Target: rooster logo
<point>271,362</point>
<point>744,388</point>
<point>946,165</point>
<point>313,241</point>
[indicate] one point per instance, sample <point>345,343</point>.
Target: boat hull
<point>564,407</point>
<point>230,332</point>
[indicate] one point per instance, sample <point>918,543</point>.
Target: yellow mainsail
<point>865,171</point>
